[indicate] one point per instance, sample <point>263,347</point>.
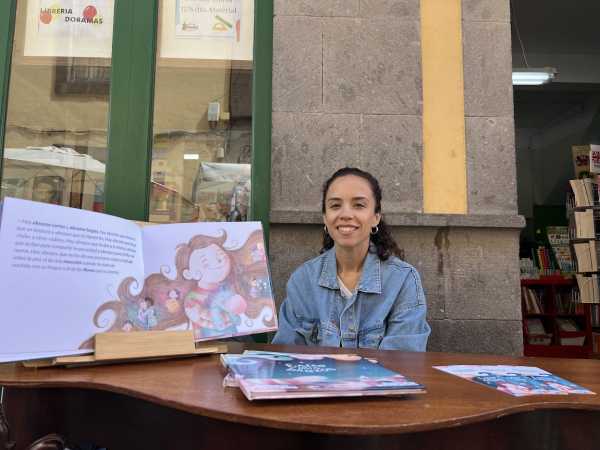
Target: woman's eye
<point>360,205</point>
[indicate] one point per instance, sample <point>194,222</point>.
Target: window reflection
<point>202,112</point>
<point>57,116</point>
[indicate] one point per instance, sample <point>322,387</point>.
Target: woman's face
<point>210,264</point>
<point>350,212</point>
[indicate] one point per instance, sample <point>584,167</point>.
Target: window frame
<point>127,178</point>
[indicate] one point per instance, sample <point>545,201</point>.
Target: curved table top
<point>195,385</point>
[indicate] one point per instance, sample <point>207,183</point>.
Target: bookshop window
<point>202,132</point>
<point>57,116</point>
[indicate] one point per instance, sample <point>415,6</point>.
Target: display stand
<point>135,346</point>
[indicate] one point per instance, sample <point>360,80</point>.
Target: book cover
<point>272,375</point>
<point>589,290</point>
<point>68,274</point>
<point>517,381</point>
<point>583,190</point>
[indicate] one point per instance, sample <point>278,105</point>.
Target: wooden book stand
<point>135,346</point>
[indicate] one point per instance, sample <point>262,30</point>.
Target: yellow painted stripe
<point>444,148</point>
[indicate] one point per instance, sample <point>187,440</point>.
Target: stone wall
<point>347,91</point>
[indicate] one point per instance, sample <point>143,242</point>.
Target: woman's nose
<point>346,212</point>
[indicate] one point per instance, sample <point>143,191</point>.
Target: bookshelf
<point>554,325</point>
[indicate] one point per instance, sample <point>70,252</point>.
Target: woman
<point>357,293</point>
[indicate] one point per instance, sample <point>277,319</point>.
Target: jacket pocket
<point>309,330</point>
<point>370,336</point>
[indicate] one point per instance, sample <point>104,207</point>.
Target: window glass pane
<point>57,117</point>
<point>202,111</point>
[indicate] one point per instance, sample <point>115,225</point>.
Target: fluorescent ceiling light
<point>191,156</point>
<point>533,77</point>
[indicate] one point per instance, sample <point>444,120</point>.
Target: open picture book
<point>263,375</point>
<point>68,274</point>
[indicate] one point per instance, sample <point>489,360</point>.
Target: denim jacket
<point>387,310</point>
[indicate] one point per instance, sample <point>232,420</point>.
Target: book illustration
<point>70,274</point>
<point>263,375</point>
<point>517,381</point>
<point>214,289</point>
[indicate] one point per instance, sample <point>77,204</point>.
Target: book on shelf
<point>581,160</point>
<point>565,302</point>
<point>536,333</point>
<point>589,291</point>
<point>558,237</point>
<point>586,256</point>
<point>584,224</point>
<point>545,263</point>
<point>595,315</point>
<point>535,326</point>
<point>517,381</point>
<point>566,324</point>
<point>69,274</point>
<point>274,375</point>
<point>528,269</point>
<point>532,300</point>
<point>583,191</point>
<point>578,341</point>
<point>596,342</point>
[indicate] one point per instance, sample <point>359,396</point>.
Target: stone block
<point>318,8</point>
<point>372,66</point>
<point>419,249</point>
<point>406,9</point>
<point>486,10</point>
<point>289,247</point>
<point>499,337</point>
<point>391,148</point>
<point>306,150</point>
<point>491,170</point>
<point>481,273</point>
<point>487,69</point>
<point>297,64</point>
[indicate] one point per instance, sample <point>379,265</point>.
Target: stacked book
<point>584,214</point>
<point>272,375</point>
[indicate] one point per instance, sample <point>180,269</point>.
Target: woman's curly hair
<point>383,241</point>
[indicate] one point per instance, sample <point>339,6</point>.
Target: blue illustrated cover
<point>287,375</point>
<point>517,381</point>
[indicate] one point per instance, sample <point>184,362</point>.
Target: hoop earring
<point>325,229</point>
<point>375,230</point>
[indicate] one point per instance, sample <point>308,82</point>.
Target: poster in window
<point>207,29</point>
<point>69,28</point>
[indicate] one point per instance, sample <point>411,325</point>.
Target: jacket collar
<point>370,279</point>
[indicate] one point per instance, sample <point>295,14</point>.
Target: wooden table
<point>180,404</point>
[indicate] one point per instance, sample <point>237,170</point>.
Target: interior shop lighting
<point>533,77</point>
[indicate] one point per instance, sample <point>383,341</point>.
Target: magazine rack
<point>136,346</point>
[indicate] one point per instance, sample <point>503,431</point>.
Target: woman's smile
<point>347,229</point>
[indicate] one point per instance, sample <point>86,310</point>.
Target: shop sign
<point>207,29</point>
<point>69,28</point>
